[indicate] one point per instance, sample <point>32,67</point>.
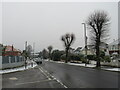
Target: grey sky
<point>44,23</point>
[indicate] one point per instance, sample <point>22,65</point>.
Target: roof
<point>116,42</point>
<point>1,45</point>
<point>10,48</point>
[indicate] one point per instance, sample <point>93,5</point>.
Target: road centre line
<point>52,77</point>
<point>44,73</point>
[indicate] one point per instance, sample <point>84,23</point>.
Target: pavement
<point>90,66</point>
<point>30,78</point>
<point>30,64</point>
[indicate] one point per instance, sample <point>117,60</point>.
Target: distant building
<point>71,50</point>
<point>1,49</point>
<point>92,51</point>
<point>104,48</point>
<point>78,50</point>
<point>114,47</point>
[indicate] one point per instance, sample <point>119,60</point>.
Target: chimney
<point>12,47</point>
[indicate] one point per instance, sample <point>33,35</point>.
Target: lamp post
<point>25,54</point>
<point>33,54</point>
<point>33,50</point>
<point>85,42</point>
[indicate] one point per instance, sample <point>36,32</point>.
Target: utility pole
<point>118,47</point>
<point>25,54</point>
<point>33,53</point>
<point>85,42</point>
<point>33,50</point>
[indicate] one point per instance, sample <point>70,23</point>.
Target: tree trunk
<point>98,62</point>
<point>98,53</point>
<point>49,56</point>
<point>66,56</point>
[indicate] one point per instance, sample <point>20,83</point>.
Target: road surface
<point>80,77</point>
<point>58,75</point>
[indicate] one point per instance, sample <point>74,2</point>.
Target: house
<point>11,51</point>
<point>104,48</point>
<point>71,50</point>
<point>114,47</point>
<point>91,49</point>
<point>78,50</point>
<point>11,57</point>
<point>1,49</point>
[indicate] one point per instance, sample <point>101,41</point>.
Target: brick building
<point>10,51</point>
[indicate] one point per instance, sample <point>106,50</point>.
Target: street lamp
<point>85,42</point>
<point>25,54</point>
<point>33,53</point>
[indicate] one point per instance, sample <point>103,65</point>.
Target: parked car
<point>38,60</point>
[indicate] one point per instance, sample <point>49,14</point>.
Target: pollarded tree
<point>98,23</point>
<point>68,40</point>
<point>50,49</point>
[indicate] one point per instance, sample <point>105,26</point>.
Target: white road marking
<point>13,78</point>
<point>33,82</point>
<point>41,69</point>
<point>44,73</point>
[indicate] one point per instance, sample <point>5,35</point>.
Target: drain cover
<point>13,78</point>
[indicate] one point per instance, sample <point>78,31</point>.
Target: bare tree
<point>68,40</point>
<point>50,49</point>
<point>98,23</point>
<point>45,54</point>
<point>29,50</point>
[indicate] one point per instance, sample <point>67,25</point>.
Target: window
<point>18,59</point>
<point>5,59</point>
<point>12,59</point>
<point>113,47</point>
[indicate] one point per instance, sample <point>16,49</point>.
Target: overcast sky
<point>45,22</point>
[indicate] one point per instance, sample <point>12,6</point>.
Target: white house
<point>114,47</point>
<point>91,49</point>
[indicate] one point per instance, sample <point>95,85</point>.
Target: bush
<point>74,57</point>
<point>102,54</point>
<point>71,56</point>
<point>83,60</point>
<point>56,55</point>
<point>63,57</point>
<point>107,58</point>
<point>91,57</point>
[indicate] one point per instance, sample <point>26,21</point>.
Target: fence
<point>11,61</point>
<point>112,63</point>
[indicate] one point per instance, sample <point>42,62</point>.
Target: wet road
<point>31,78</point>
<point>81,77</point>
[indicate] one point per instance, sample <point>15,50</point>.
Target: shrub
<point>74,57</point>
<point>71,56</point>
<point>91,57</point>
<point>107,58</point>
<point>63,57</point>
<point>56,55</point>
